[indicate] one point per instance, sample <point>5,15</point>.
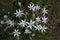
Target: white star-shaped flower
<point>11,23</point>
<point>27,31</point>
<point>37,7</point>
<point>38,19</point>
<point>44,11</point>
<point>2,22</point>
<point>16,33</point>
<point>5,16</point>
<point>38,27</point>
<point>23,23</point>
<point>34,9</point>
<point>43,29</point>
<point>18,13</point>
<point>31,24</point>
<point>44,19</point>
<point>31,6</point>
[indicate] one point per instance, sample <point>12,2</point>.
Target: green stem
<point>33,16</point>
<point>17,37</point>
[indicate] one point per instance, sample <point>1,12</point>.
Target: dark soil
<point>55,14</point>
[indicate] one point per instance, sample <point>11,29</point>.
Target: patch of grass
<point>53,7</point>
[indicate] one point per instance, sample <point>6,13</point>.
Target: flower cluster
<point>33,7</point>
<point>36,22</point>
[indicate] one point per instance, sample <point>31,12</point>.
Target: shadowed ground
<point>54,14</point>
